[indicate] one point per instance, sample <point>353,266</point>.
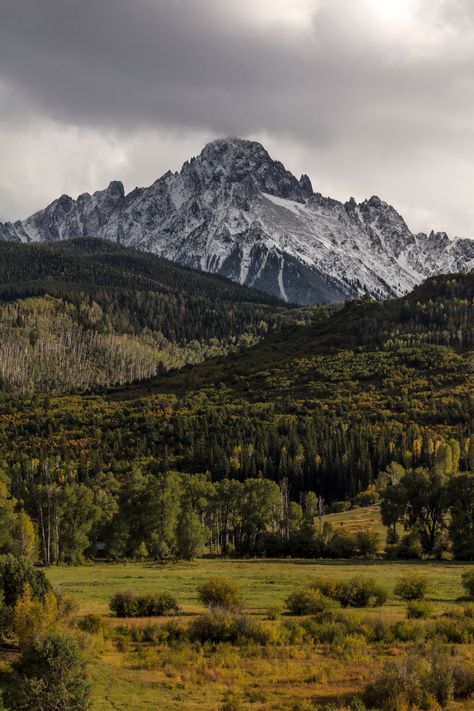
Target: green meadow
<point>134,676</point>
<point>264,582</point>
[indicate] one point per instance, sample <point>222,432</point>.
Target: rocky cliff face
<point>235,211</point>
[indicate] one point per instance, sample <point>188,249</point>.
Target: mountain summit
<point>235,211</point>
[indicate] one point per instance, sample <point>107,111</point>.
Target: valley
<point>164,431</point>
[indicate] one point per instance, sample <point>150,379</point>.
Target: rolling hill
<point>87,313</point>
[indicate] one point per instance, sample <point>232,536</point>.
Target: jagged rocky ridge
<point>236,212</point>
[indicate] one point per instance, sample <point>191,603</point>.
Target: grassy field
<point>265,582</point>
<point>138,678</point>
<point>358,519</point>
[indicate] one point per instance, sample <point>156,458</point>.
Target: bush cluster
<point>219,592</point>
<point>421,681</point>
<point>354,592</point>
<point>220,625</point>
<point>418,610</point>
<point>128,604</point>
<point>368,497</point>
<point>93,624</point>
<point>309,601</point>
<point>412,587</point>
<point>15,574</point>
<point>49,674</point>
<point>340,507</point>
<point>333,625</point>
<point>468,583</point>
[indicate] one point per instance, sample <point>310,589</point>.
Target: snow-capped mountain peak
<point>234,210</point>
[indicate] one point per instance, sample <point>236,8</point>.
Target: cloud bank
<point>366,96</point>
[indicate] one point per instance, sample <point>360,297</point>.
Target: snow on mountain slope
<point>235,211</point>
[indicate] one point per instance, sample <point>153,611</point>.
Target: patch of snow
<point>403,262</point>
<point>360,215</point>
<point>280,280</point>
<point>177,194</point>
<point>291,205</point>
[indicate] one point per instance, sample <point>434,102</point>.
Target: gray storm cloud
<point>368,96</point>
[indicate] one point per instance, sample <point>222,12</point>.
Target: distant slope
<point>97,262</point>
<point>87,313</point>
<point>362,345</point>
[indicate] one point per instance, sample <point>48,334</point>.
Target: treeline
<point>98,262</point>
<point>148,511</point>
<point>440,311</point>
<point>179,316</point>
<point>337,454</point>
<point>430,511</point>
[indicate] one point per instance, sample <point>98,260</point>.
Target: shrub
<point>273,613</point>
<point>357,704</point>
<point>309,602</point>
<point>468,610</point>
<point>418,610</point>
<point>409,631</point>
<point>379,630</point>
<point>355,592</point>
<point>440,679</point>
<point>463,677</point>
<point>67,605</point>
<point>92,624</point>
<point>340,506</point>
<point>452,631</point>
<point>221,625</point>
<point>158,604</point>
<point>173,631</point>
<point>391,551</point>
<point>343,544</point>
<point>398,687</point>
<point>128,604</point>
<point>17,573</point>
<point>232,703</point>
<point>412,587</point>
<point>32,617</point>
<point>325,632</point>
<point>124,604</point>
<point>467,581</point>
<point>293,632</point>
<point>421,681</point>
<point>409,548</point>
<point>352,648</point>
<point>48,675</point>
<point>367,543</point>
<point>219,592</point>
<point>368,497</point>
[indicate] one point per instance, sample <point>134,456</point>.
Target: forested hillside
<point>86,313</point>
<point>323,408</point>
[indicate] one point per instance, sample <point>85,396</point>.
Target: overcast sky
<point>366,96</point>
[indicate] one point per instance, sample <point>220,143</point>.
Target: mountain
<point>235,211</point>
<point>89,313</point>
